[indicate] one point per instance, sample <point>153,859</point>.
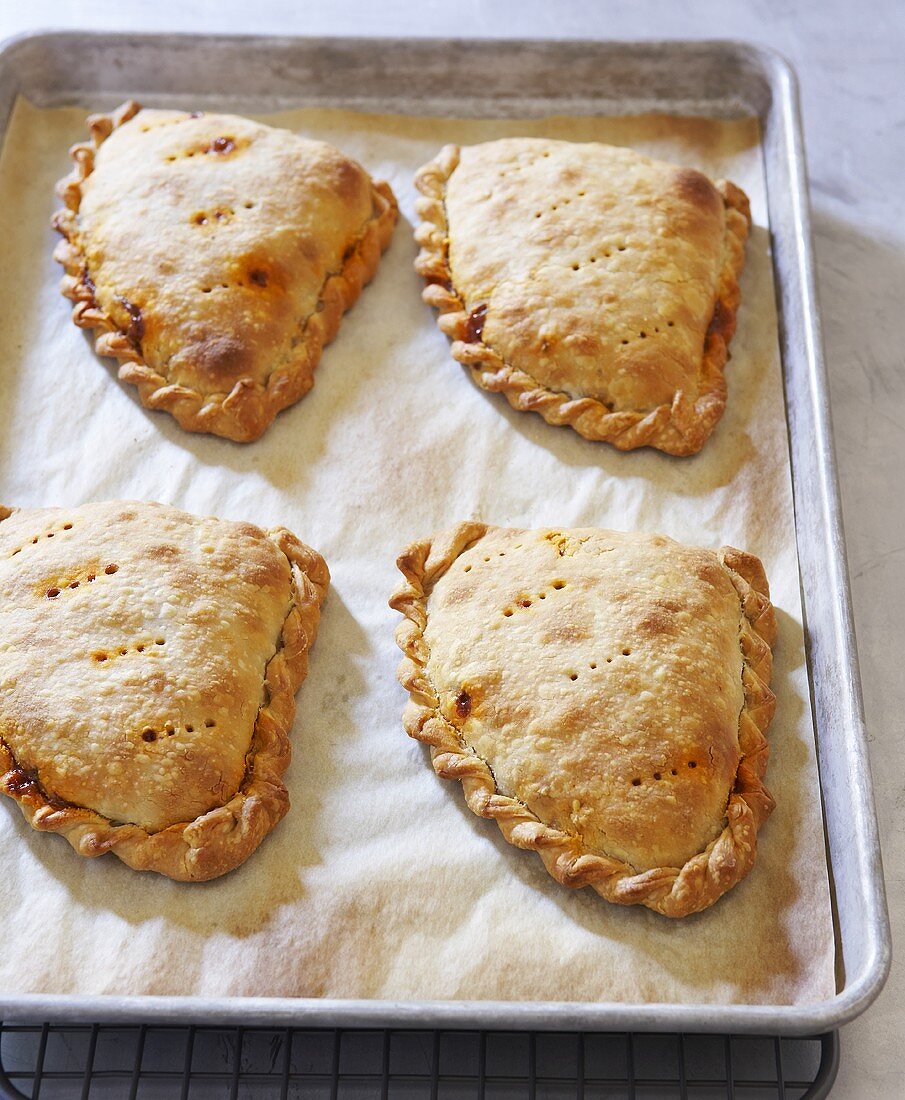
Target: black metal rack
<point>105,1062</point>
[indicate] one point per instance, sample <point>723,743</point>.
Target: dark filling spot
<point>222,145</point>
<point>136,322</point>
<point>22,781</point>
<point>719,322</point>
<point>88,283</point>
<point>474,326</point>
<point>463,704</point>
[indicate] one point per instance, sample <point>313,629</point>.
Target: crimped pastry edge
<point>681,428</point>
<point>671,891</point>
<point>223,838</point>
<point>250,408</point>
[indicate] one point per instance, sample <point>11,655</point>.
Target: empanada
<point>602,696</point>
<point>588,283</point>
<point>214,258</point>
<point>149,661</point>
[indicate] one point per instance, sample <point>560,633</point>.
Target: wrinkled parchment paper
<point>380,883</point>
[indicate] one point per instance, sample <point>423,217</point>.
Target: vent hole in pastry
<point>221,145</point>
<point>581,194</point>
<point>593,259</point>
<point>140,648</point>
<point>636,782</point>
<point>123,652</point>
<point>671,323</point>
<point>621,248</point>
<point>92,577</point>
<point>609,660</point>
<point>487,559</point>
<point>673,772</point>
<point>206,289</point>
<point>692,763</point>
<point>643,335</point>
<point>111,569</point>
<point>100,657</point>
<point>559,585</point>
<point>34,540</point>
<point>67,526</point>
<point>657,776</point>
<point>74,584</point>
<point>169,729</point>
<point>538,214</point>
<point>542,596</point>
<point>573,676</point>
<point>626,653</point>
<point>189,729</point>
<point>525,603</point>
<point>575,267</point>
<point>149,735</point>
<point>625,341</point>
<point>258,277</point>
<point>19,551</point>
<point>199,219</point>
<point>248,205</point>
<point>159,641</point>
<point>467,569</point>
<point>210,723</point>
<point>593,664</point>
<point>508,612</point>
<point>52,593</point>
<point>50,534</point>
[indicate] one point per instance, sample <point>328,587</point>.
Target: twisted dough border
<point>243,414</point>
<point>672,891</point>
<point>681,428</point>
<point>221,839</point>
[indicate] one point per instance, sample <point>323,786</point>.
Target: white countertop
<point>849,59</point>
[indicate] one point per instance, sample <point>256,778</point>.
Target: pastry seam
<point>250,407</point>
<point>222,838</point>
<point>681,428</point>
<point>671,891</point>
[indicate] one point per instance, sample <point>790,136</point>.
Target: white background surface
<point>849,58</point>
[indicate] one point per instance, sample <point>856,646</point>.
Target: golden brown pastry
<point>149,661</point>
<point>602,696</point>
<point>586,282</point>
<point>214,258</point>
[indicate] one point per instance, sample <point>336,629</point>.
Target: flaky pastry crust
<point>440,718</point>
<point>226,325</point>
<point>631,364</point>
<point>62,757</point>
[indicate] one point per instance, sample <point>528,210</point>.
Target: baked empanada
<point>588,283</point>
<point>602,696</point>
<point>149,661</point>
<point>214,258</point>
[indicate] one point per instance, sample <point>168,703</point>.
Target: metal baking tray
<point>518,78</point>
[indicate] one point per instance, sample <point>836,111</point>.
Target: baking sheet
<point>360,892</point>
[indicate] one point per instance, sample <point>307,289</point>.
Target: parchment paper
<point>380,883</point>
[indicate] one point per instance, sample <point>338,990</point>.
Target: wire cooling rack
<point>94,1062</point>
